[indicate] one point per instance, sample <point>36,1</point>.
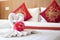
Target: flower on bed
<point>19,26</point>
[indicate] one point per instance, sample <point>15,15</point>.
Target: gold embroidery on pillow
<point>52,13</point>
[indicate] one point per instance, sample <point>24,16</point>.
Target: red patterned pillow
<point>23,9</point>
<point>52,13</point>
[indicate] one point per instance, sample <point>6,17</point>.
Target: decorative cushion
<point>23,9</point>
<point>35,14</point>
<point>52,13</point>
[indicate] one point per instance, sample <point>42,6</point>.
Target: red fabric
<point>23,9</point>
<point>52,13</point>
<point>19,26</point>
<point>42,27</point>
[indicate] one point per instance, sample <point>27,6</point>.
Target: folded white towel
<point>15,17</point>
<point>15,33</point>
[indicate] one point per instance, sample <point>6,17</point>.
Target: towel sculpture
<point>15,18</point>
<point>16,21</point>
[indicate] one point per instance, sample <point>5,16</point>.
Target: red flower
<point>19,26</point>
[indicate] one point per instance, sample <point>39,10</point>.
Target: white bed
<point>41,35</point>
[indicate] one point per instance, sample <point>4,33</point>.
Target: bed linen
<point>33,37</point>
<point>41,35</point>
<point>4,23</point>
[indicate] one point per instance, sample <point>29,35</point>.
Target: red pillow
<point>23,9</point>
<point>52,13</point>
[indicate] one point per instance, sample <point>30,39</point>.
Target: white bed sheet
<point>42,35</point>
<point>34,37</point>
<point>6,24</point>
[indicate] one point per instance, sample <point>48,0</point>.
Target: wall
<point>13,4</point>
<point>3,0</point>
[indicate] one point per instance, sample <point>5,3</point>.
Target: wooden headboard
<point>13,4</point>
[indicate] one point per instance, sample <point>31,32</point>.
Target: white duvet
<point>34,37</point>
<point>40,35</point>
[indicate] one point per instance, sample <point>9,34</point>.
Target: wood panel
<point>3,0</point>
<point>13,4</point>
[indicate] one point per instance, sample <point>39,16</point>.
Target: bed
<point>37,23</point>
<point>45,30</point>
<point>43,34</point>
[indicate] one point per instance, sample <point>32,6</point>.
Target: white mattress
<point>41,35</point>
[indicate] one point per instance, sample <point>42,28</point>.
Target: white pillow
<point>42,9</point>
<point>42,20</point>
<point>35,14</point>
